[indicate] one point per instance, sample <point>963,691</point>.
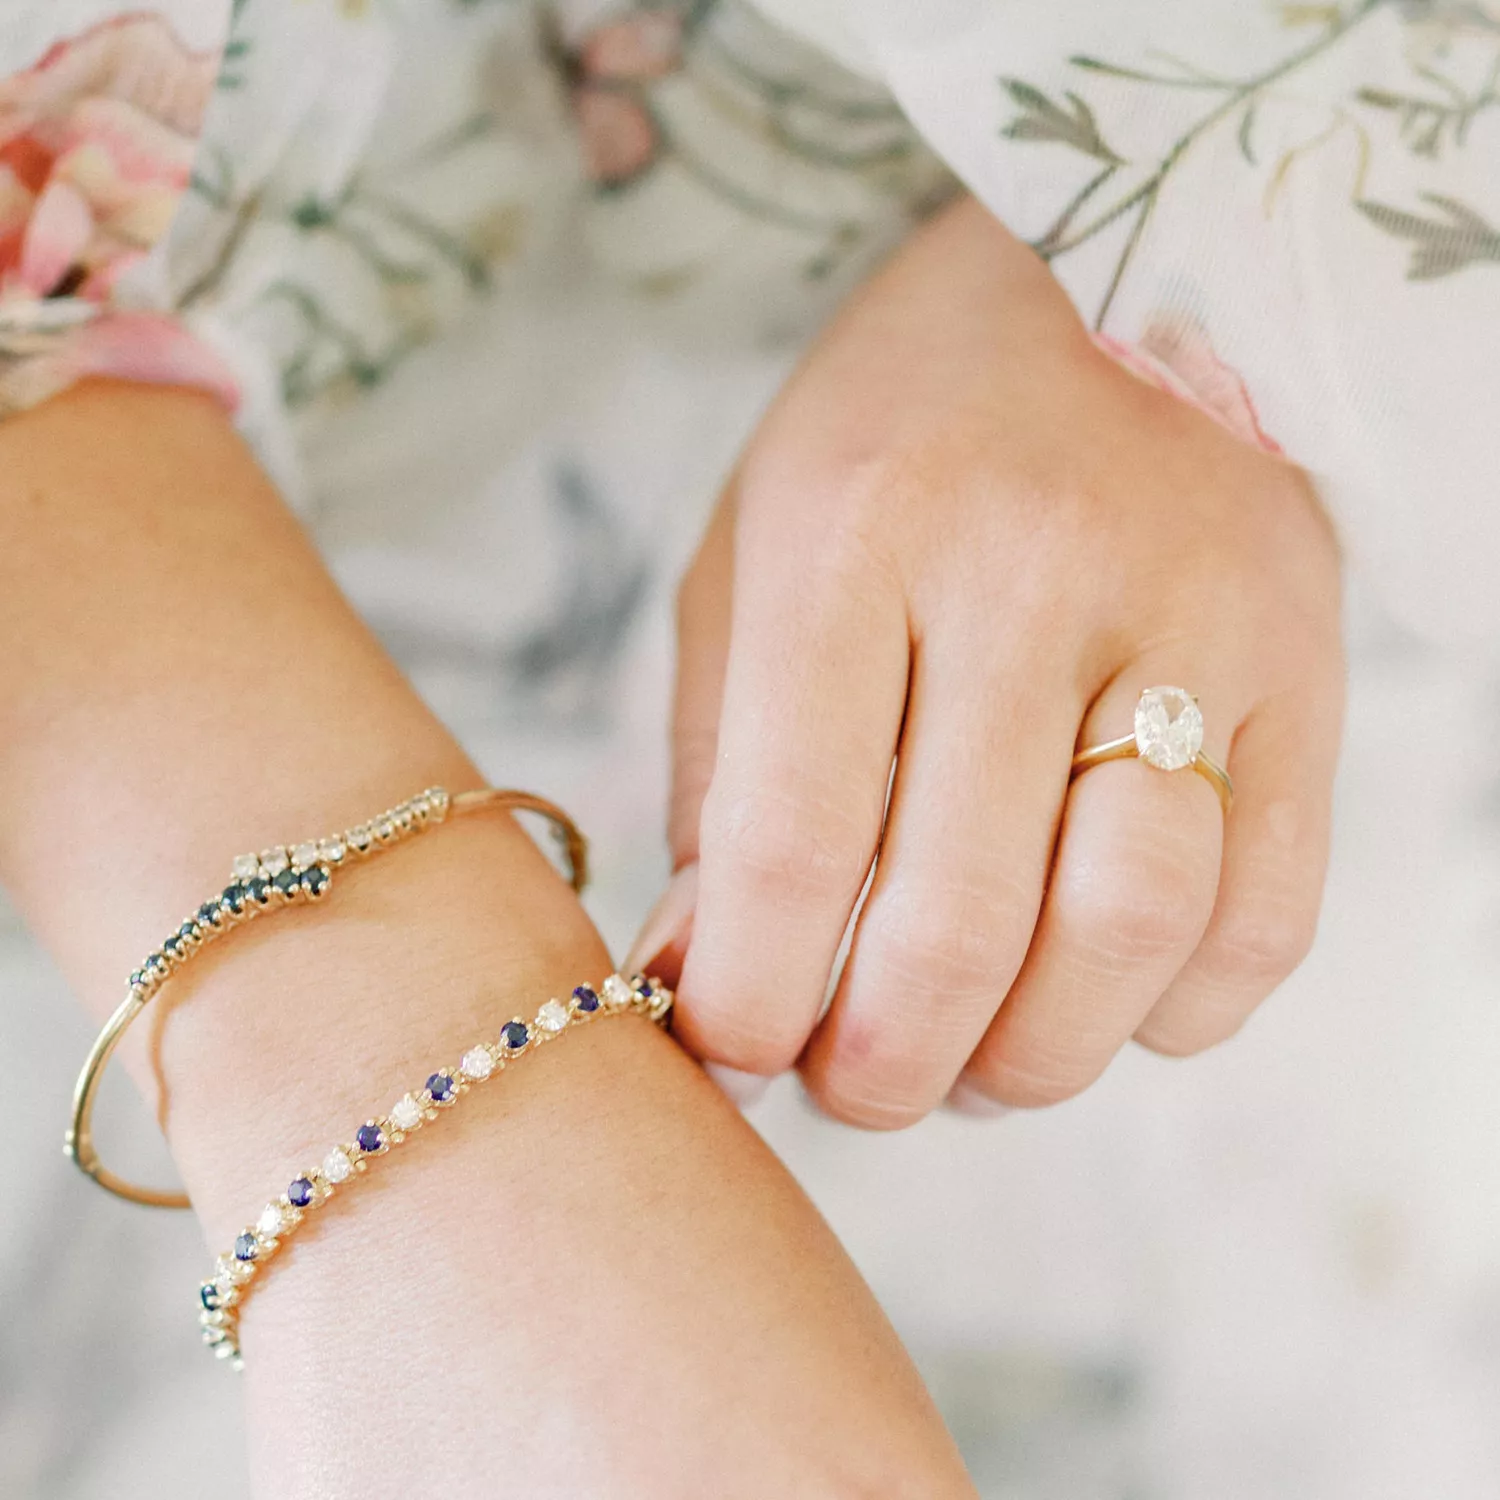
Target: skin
<point>593,1279</point>
<point>964,540</point>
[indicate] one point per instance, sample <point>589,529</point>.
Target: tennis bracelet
<point>223,1295</point>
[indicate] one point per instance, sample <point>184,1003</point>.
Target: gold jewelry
<point>1168,735</point>
<point>266,882</point>
<point>222,1297</point>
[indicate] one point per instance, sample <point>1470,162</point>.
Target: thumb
<point>703,626</point>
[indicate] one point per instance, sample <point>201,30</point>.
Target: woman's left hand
<point>965,540</point>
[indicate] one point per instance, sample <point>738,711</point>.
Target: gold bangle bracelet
<point>221,1298</point>
<point>275,878</point>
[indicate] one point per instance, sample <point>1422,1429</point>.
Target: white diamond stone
<point>272,1221</point>
<point>246,866</point>
<point>406,1113</point>
<point>616,991</point>
<point>235,1272</point>
<point>1168,728</point>
<point>273,861</point>
<point>477,1063</point>
<point>553,1016</point>
<point>304,855</point>
<point>337,1167</point>
<point>332,850</point>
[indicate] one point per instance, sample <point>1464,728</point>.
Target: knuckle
<point>852,1100</point>
<point>739,1030</point>
<point>1137,914</point>
<point>1037,1078</point>
<point>852,492</point>
<point>870,1070</point>
<point>1264,940</point>
<point>785,848</point>
<point>960,940</point>
<point>1189,1036</point>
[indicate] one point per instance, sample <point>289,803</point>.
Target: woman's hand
<point>965,539</point>
<point>594,1280</point>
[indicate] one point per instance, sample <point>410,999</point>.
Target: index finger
<point>814,692</point>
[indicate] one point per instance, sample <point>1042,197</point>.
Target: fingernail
<point>965,1099</point>
<point>743,1089</point>
<point>663,938</point>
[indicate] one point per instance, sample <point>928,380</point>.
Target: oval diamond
<point>1168,728</point>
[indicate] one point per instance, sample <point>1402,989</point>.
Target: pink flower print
<point>606,72</point>
<point>1177,356</point>
<point>147,347</point>
<point>643,46</point>
<point>618,136</point>
<point>96,145</point>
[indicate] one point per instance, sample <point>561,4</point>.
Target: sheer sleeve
<point>101,109</point>
<point>1290,214</point>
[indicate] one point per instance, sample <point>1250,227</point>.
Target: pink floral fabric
<point>99,135</point>
<point>1179,358</point>
<point>97,140</point>
<point>278,201</point>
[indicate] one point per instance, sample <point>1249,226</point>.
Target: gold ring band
<point>1125,748</point>
<point>1168,736</point>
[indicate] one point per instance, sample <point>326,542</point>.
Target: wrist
<point>264,1052</point>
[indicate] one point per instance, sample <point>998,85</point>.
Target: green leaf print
<point>1461,237</point>
<point>1042,120</point>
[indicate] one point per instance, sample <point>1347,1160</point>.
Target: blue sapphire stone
<point>369,1138</point>
<point>245,1247</point>
<point>234,898</point>
<point>314,880</point>
<point>288,882</point>
<point>586,998</point>
<point>208,913</point>
<point>188,931</point>
<point>440,1086</point>
<point>171,946</point>
<point>300,1193</point>
<point>258,890</point>
<point>208,1295</point>
<point>643,988</point>
<point>514,1034</point>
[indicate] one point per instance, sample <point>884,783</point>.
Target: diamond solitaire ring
<point>1168,735</point>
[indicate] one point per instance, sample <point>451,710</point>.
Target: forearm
<point>181,682</point>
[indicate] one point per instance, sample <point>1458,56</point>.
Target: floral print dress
<point>1287,214</point>
<point>279,200</point>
